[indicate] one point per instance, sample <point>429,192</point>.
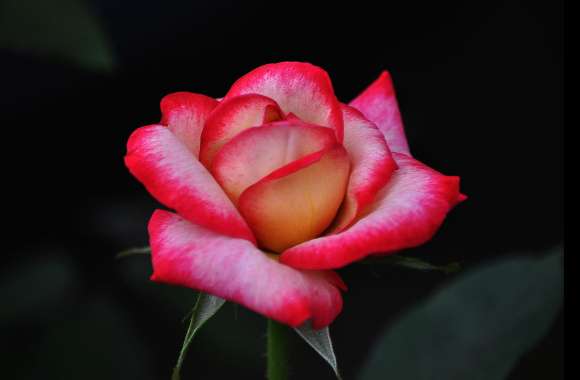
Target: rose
<point>277,184</point>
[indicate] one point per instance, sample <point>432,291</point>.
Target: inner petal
<point>233,116</point>
<point>257,152</point>
<point>297,202</point>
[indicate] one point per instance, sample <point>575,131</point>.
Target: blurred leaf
<point>205,308</point>
<point>412,263</point>
<point>320,341</point>
<point>134,251</point>
<point>38,289</point>
<point>99,341</point>
<point>66,29</point>
<point>476,328</point>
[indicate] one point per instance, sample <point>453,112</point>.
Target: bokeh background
<point>480,86</point>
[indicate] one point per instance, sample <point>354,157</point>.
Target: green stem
<point>277,351</point>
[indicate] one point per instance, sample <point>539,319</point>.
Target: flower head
<point>277,184</point>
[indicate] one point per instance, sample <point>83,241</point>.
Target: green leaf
<point>412,263</point>
<point>65,29</point>
<point>133,252</point>
<point>205,308</point>
<point>99,340</point>
<point>39,289</point>
<point>320,341</point>
<point>477,327</point>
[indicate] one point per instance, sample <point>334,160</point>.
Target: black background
<point>480,86</point>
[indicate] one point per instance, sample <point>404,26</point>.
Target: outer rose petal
<point>372,165</point>
<point>185,114</point>
<point>257,152</point>
<point>170,172</point>
<point>299,88</point>
<point>298,201</point>
<point>233,116</point>
<point>378,103</point>
<point>407,212</point>
<point>189,255</point>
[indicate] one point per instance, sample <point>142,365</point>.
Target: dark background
<point>480,86</point>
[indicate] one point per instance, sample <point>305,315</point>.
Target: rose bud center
<point>288,179</point>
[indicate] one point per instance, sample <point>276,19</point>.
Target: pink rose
<point>279,183</point>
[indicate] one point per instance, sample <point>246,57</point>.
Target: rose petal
<point>407,213</point>
<point>233,269</point>
<point>298,201</point>
<point>185,114</point>
<point>372,166</point>
<point>378,103</point>
<point>300,88</point>
<point>257,152</point>
<point>171,173</point>
<point>233,116</point>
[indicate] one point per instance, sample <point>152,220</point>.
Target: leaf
<point>99,340</point>
<point>476,328</point>
<point>40,289</point>
<point>412,263</point>
<point>321,342</point>
<point>66,29</point>
<point>205,308</point>
<point>133,252</point>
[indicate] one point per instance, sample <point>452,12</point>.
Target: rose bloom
<point>279,183</point>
